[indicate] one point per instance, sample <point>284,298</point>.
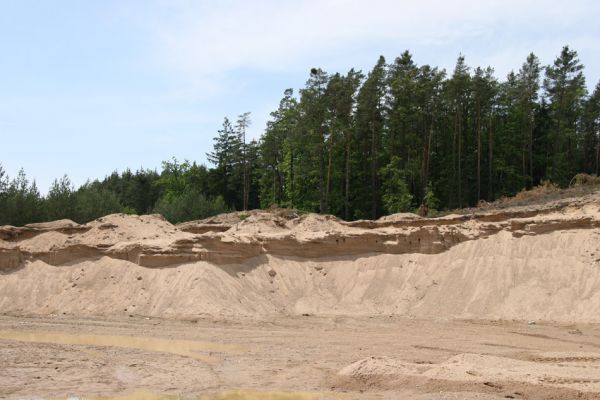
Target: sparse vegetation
<point>585,180</point>
<point>545,187</point>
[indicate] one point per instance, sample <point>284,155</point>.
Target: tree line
<point>406,136</point>
<point>178,192</point>
<point>399,138</point>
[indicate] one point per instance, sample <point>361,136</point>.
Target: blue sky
<point>89,87</point>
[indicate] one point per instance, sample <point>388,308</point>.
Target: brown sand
<point>369,309</point>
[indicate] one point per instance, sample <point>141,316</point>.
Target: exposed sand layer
<point>522,263</point>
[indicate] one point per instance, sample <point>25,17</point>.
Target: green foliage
<point>565,89</point>
<point>429,199</point>
<point>396,196</point>
<point>20,200</point>
<point>235,165</point>
<point>138,191</point>
<point>190,205</point>
<point>177,177</point>
<point>274,150</point>
<point>367,149</point>
<point>92,202</point>
<point>591,133</point>
<point>128,210</point>
<point>61,199</point>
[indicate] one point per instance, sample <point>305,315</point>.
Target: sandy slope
<point>520,263</point>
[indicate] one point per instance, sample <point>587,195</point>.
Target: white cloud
<point>212,51</point>
<point>206,40</point>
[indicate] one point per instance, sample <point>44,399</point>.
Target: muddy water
<point>260,395</point>
<point>186,348</point>
<point>227,395</point>
<point>139,395</point>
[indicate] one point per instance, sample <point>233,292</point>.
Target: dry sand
<point>495,304</point>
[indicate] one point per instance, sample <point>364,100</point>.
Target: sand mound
<point>54,225</point>
<point>482,368</point>
<point>378,367</point>
<point>400,217</point>
<point>519,263</point>
<point>579,373</point>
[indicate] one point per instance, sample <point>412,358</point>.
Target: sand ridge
<point>526,263</point>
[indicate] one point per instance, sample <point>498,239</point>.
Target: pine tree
<point>396,195</point>
<point>241,126</point>
<point>278,136</point>
<point>340,99</point>
<point>483,97</point>
<point>369,130</point>
<point>60,201</point>
<point>227,176</point>
<point>565,90</point>
<point>458,90</point>
<point>591,127</point>
<point>529,85</point>
<point>429,98</point>
<point>305,151</point>
<point>508,146</point>
<point>402,136</point>
<point>22,202</point>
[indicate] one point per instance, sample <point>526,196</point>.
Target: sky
<point>90,87</point>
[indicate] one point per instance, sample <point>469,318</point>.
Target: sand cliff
<point>529,263</point>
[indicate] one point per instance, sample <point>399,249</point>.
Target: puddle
<point>139,395</point>
<point>227,395</point>
<point>265,395</point>
<point>186,348</point>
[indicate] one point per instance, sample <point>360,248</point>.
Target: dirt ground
<point>303,357</point>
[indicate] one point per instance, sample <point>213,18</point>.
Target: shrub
<point>92,202</point>
<point>545,187</point>
<point>396,196</point>
<point>188,206</point>
<point>585,180</point>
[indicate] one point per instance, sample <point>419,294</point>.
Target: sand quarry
<point>493,303</point>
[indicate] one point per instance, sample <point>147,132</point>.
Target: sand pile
<point>522,263</point>
<point>562,371</point>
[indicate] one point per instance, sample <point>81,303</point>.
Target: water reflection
<point>186,348</point>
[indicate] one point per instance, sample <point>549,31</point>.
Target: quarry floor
<point>296,357</point>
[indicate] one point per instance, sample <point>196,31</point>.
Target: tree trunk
<point>347,179</point>
<point>491,161</point>
<point>454,135</point>
<point>245,169</point>
<point>329,172</point>
<point>246,186</point>
<point>459,161</point>
<point>276,186</point>
<point>322,208</point>
<point>373,172</point>
<point>524,163</point>
<point>531,123</point>
<point>292,193</point>
<point>478,154</point>
<point>597,156</point>
<point>425,165</point>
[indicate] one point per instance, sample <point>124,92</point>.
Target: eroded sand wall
<point>549,276</point>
